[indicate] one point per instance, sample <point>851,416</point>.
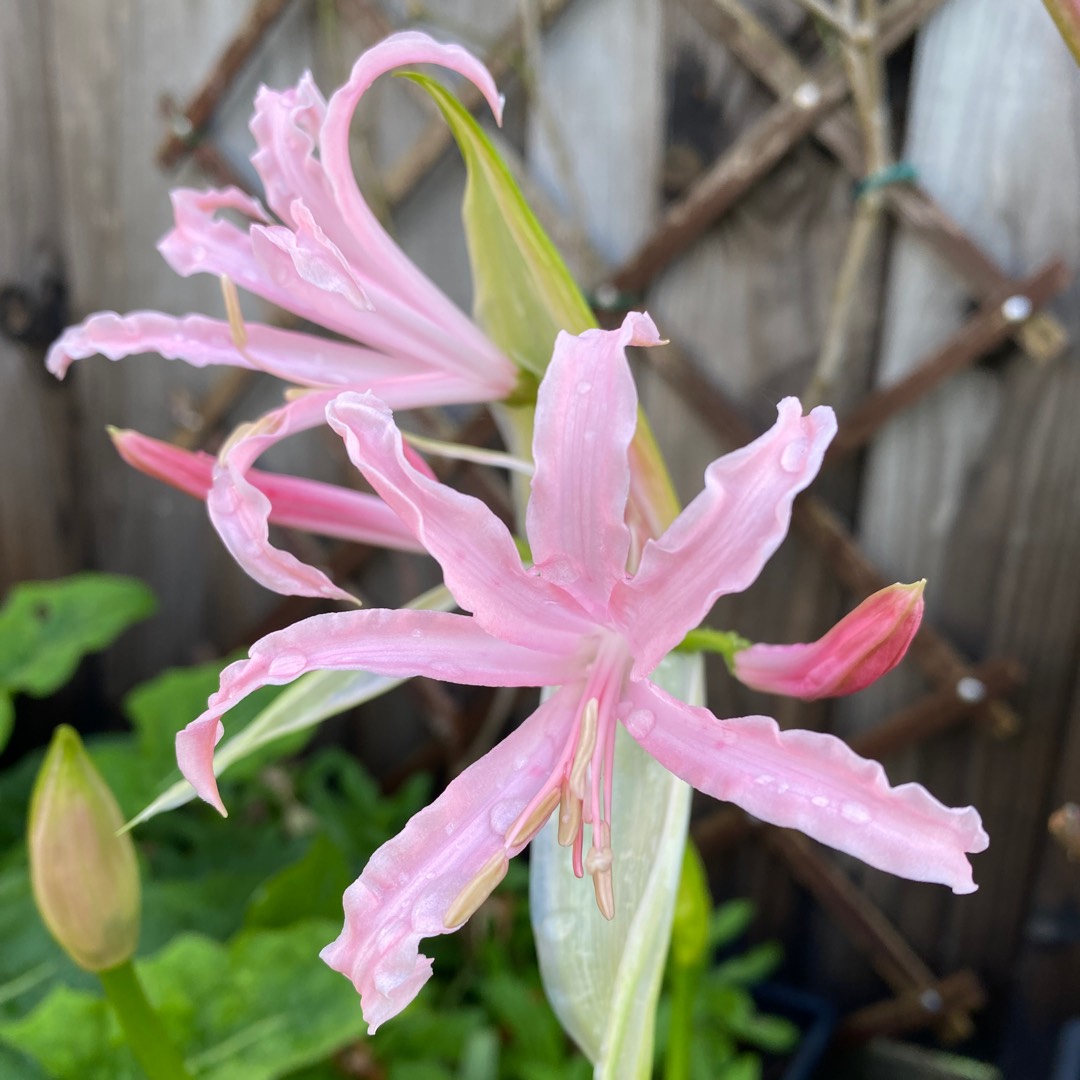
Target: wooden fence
<point>696,157</point>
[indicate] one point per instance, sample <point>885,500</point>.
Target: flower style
<point>327,260</point>
<point>578,620</point>
<point>864,645</point>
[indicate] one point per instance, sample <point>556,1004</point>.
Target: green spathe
<point>524,293</point>
<point>85,876</point>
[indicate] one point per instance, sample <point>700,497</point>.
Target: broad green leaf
<point>524,293</point>
<point>47,627</point>
<point>308,701</point>
<point>309,888</point>
<point>256,1009</point>
<point>603,978</point>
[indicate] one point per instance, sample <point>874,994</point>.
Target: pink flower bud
<point>862,647</point>
<point>85,875</point>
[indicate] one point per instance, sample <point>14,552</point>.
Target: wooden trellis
<point>810,102</point>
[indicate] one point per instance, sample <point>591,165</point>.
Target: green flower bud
<point>85,876</point>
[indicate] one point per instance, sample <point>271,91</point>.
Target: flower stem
<point>143,1029</point>
<point>680,1033</point>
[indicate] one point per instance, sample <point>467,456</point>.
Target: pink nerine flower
<point>326,259</point>
<point>577,619</point>
<point>864,645</point>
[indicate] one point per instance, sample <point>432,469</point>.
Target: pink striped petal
<point>307,505</point>
<point>286,127</point>
<point>241,512</point>
<point>720,542</point>
<point>586,415</point>
<point>811,782</point>
<point>480,563</point>
<point>373,249</point>
<point>398,644</point>
<point>202,342</point>
<point>202,242</point>
<point>864,645</point>
<point>413,881</point>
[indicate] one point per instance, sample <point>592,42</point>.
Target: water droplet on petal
<point>855,813</point>
<point>820,800</point>
<point>198,253</point>
<point>288,665</point>
<point>502,815</point>
<point>584,387</point>
<point>793,455</point>
<point>640,722</point>
<point>765,780</point>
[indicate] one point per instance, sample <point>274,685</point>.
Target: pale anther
<point>590,718</point>
<point>605,893</point>
<point>237,329</point>
<point>598,860</point>
<point>477,891</point>
<point>569,816</point>
<point>521,832</point>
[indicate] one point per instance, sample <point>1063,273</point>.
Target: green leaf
<point>603,978</point>
<point>310,888</point>
<point>47,627</point>
<point>256,1009</point>
<point>524,293</point>
<point>305,703</point>
<point>751,966</point>
<point>774,1034</point>
<point>728,921</point>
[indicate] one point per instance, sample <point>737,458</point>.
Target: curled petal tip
<point>195,756</point>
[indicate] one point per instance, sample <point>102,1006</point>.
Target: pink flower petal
<point>864,645</point>
<point>201,341</point>
<point>201,242</point>
<point>586,415</point>
<point>308,505</point>
<point>195,756</point>
<point>480,563</point>
<point>286,127</point>
<point>811,782</point>
<point>720,542</point>
<point>412,881</point>
<point>373,249</point>
<point>398,644</point>
<point>241,512</point>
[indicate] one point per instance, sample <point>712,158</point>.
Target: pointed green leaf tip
<point>84,875</point>
<point>524,293</point>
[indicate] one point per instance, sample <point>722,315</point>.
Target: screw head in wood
<point>1017,308</point>
<point>807,95</point>
<point>971,690</point>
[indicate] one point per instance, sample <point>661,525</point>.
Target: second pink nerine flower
<point>320,253</point>
<point>579,620</point>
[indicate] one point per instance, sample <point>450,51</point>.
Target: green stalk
<point>680,1033</point>
<point>143,1029</point>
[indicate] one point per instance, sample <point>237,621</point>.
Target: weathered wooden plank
<point>38,527</point>
<point>975,488</point>
<point>110,64</point>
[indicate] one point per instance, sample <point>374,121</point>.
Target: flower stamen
<point>569,815</point>
<point>590,717</point>
<point>523,830</point>
<point>232,310</point>
<point>477,891</point>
